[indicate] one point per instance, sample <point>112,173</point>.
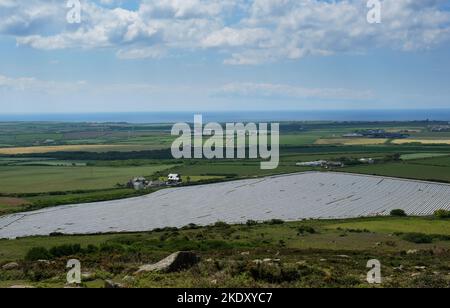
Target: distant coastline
<point>233,116</point>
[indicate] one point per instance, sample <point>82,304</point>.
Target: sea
<point>236,116</point>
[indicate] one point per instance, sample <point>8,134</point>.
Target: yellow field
<point>422,141</point>
<point>351,141</point>
<point>57,148</point>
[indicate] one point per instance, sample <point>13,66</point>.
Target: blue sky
<point>198,55</point>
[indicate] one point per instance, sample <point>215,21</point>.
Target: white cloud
<point>247,32</point>
<point>268,90</point>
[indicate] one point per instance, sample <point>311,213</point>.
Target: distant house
<point>367,161</point>
<point>174,179</point>
<point>138,183</point>
<point>321,163</point>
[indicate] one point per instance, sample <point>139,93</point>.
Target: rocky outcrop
<point>10,266</point>
<point>175,262</point>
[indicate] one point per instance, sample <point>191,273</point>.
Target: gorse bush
<point>65,250</point>
<point>37,253</point>
<point>398,213</point>
<point>442,214</point>
<point>418,238</point>
<point>306,229</point>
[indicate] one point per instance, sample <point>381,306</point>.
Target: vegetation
<point>398,213</point>
<point>442,214</point>
<point>292,254</point>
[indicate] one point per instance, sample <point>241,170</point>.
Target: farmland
<point>84,163</point>
<point>61,163</point>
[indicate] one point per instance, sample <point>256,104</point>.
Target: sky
<point>223,55</point>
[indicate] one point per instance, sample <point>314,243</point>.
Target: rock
<point>412,252</point>
<point>87,275</point>
<point>257,261</point>
<point>175,262</point>
<point>109,284</point>
<point>245,253</point>
<point>10,266</point>
<point>400,268</point>
<point>21,287</point>
<point>323,260</point>
<point>421,268</point>
<point>267,260</point>
<point>343,256</point>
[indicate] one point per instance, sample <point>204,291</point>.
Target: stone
<point>109,284</point>
<point>10,266</point>
<point>412,252</point>
<point>178,261</point>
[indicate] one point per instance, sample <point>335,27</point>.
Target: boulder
<point>175,262</point>
<point>10,266</point>
<point>109,284</point>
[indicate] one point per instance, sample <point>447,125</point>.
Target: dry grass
<point>422,141</point>
<point>12,201</point>
<point>351,141</point>
<point>58,148</point>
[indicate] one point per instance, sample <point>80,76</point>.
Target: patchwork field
<point>295,197</point>
<point>351,141</point>
<point>36,179</point>
<point>61,148</point>
<point>422,141</point>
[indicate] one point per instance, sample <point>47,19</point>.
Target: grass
<point>351,141</point>
<point>403,225</point>
<point>405,170</point>
<point>33,179</point>
<point>422,141</point>
<point>423,155</point>
<point>331,256</point>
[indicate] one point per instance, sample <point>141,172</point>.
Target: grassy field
<point>33,179</point>
<point>422,141</point>
<point>351,141</point>
<point>405,170</point>
<point>297,254</point>
<point>423,155</point>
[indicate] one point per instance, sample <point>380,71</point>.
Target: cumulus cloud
<point>246,32</point>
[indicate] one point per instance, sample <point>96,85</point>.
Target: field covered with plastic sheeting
<point>291,197</point>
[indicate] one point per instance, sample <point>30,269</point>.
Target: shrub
<point>442,214</point>
<point>37,253</point>
<point>398,213</point>
<point>275,222</point>
<point>251,223</point>
<point>306,229</point>
<point>418,238</point>
<point>65,250</point>
<point>221,225</point>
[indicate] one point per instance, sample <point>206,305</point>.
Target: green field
<point>407,171</point>
<point>34,179</point>
<point>101,155</point>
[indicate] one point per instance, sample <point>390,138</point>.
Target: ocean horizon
<point>237,116</point>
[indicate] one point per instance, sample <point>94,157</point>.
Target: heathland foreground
<point>62,164</point>
<point>414,252</point>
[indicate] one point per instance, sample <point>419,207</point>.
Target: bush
<point>275,222</point>
<point>37,253</point>
<point>443,214</point>
<point>398,213</point>
<point>250,223</point>
<point>418,238</point>
<point>221,225</point>
<point>306,229</point>
<point>65,250</point>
